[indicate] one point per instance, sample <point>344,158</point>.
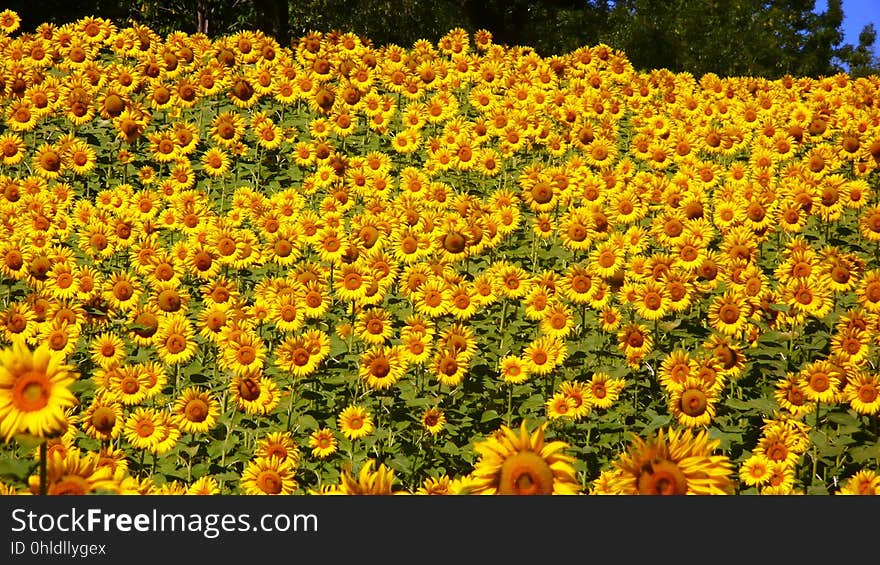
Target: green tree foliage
<point>861,58</point>
<point>767,38</point>
<point>729,37</point>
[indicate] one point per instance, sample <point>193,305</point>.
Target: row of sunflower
<point>231,266</point>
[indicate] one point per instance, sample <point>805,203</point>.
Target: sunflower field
<point>230,266</point>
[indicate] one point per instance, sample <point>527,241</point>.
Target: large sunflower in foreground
<point>523,463</point>
<point>74,473</point>
<point>34,391</point>
<point>673,462</point>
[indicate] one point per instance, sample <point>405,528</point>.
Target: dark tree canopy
<point>767,38</point>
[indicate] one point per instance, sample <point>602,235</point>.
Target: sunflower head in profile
<point>368,481</point>
<point>521,462</point>
<point>673,462</point>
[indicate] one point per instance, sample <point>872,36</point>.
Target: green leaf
<point>307,422</point>
<point>18,469</point>
<point>865,453</point>
<point>531,404</point>
<point>489,416</point>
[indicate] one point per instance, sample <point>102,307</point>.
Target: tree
<point>861,59</point>
<point>766,38</point>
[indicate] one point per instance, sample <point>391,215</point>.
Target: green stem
<point>290,404</point>
<point>44,482</point>
<point>509,403</point>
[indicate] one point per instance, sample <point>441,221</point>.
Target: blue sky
<point>856,14</point>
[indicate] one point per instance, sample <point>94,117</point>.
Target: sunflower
<point>693,402</point>
<point>196,410</point>
<point>673,462</point>
<point>204,486</point>
<point>75,473</point>
<point>809,296</point>
<point>79,157</point>
<point>373,325</point>
<point>609,318</point>
<point>323,443</point>
<point>537,302</point>
<point>781,481</point>
<point>127,384</point>
<point>864,482</point>
<point>603,390</point>
<point>728,313</point>
<point>296,356</point>
<point>143,325</point>
<point>367,482</point>
<point>350,282</point>
<point>18,323</point>
<point>34,392</point>
<point>462,302</point>
<point>243,355</point>
<point>48,161</point>
<point>355,422</point>
<point>280,445</point>
<point>175,341</point>
<point>153,377</point>
<point>579,396</point>
<point>102,419</point>
<point>675,369</point>
<point>789,394</point>
<point>449,366</point>
<point>756,471</point>
<point>780,446</point>
<point>821,380</point>
<point>60,336</point>
<point>577,284</point>
<point>107,349</point>
<point>513,280</point>
<point>459,340</point>
<point>416,348</point>
<point>12,149</point>
<point>559,406</point>
<point>523,463</point>
<point>215,162</point>
<point>122,290</point>
<point>576,231</point>
<point>851,344</point>
<point>9,21</point>
<point>254,394</point>
<point>433,297</point>
<point>170,488</point>
<point>14,257</point>
<point>380,367</point>
<point>168,433</point>
<point>513,370</point>
<point>862,391</point>
<point>21,116</point>
<point>143,428</point>
<point>61,281</point>
<point>634,340</point>
<point>437,486</point>
<point>269,475</point>
<point>557,321</point>
<point>168,297</point>
<point>728,354</point>
<point>868,291</point>
<point>433,419</point>
<point>651,300</point>
<point>544,354</point>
